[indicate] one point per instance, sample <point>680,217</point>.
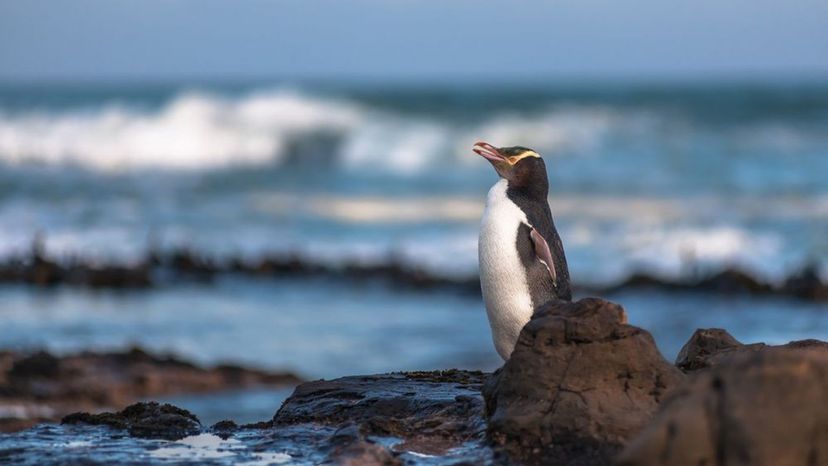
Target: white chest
<point>502,275</point>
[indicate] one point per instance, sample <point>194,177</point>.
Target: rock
<point>580,382</point>
<point>760,407</point>
<point>704,344</point>
<point>42,386</point>
<point>257,425</point>
<point>43,272</point>
<point>224,429</point>
<point>727,281</point>
<point>184,264</point>
<point>806,284</point>
<point>709,347</point>
<point>111,276</point>
<point>224,426</point>
<point>144,420</point>
<point>390,419</point>
<point>733,281</point>
<point>351,448</point>
<point>40,364</point>
<point>646,280</point>
<point>429,413</point>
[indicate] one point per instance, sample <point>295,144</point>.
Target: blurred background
<point>296,177</point>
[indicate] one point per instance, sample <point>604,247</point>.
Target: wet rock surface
<point>146,420</point>
<point>429,413</point>
<point>389,419</point>
<point>580,382</point>
<point>85,444</point>
<point>42,387</point>
<point>755,406</point>
<point>348,446</point>
<point>581,386</point>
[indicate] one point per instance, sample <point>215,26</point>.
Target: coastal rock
<point>709,347</point>
<point>389,419</point>
<point>40,270</point>
<point>185,264</point>
<point>426,413</point>
<point>350,448</point>
<point>807,284</point>
<point>766,406</point>
<point>580,382</point>
<point>144,420</point>
<point>40,386</point>
<point>704,345</point>
<point>224,429</point>
<point>726,281</point>
<point>733,281</point>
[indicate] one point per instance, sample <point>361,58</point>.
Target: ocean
<point>673,179</point>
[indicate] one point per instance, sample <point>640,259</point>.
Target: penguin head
<point>520,166</point>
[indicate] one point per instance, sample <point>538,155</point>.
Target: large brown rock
<point>766,407</point>
<point>580,382</point>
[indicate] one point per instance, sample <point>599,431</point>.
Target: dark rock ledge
<point>384,419</point>
<point>583,387</point>
<point>43,387</point>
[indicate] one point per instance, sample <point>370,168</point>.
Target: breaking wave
<point>193,130</point>
<point>636,187</point>
<point>199,130</point>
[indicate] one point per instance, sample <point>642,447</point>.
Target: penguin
<point>522,261</point>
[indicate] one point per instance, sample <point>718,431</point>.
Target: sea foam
<point>193,130</point>
<point>201,130</point>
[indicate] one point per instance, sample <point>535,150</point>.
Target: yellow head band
<point>517,158</point>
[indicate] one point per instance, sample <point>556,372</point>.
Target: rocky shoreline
<point>158,268</point>
<point>41,387</point>
<point>583,387</point>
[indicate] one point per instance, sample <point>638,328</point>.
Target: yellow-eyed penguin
<point>522,261</point>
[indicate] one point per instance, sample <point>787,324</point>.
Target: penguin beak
<point>488,151</point>
<point>491,153</point>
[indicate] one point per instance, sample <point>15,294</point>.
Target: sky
<point>411,39</point>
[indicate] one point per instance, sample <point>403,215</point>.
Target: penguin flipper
<point>544,254</point>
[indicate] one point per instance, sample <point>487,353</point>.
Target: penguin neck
<point>537,192</point>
